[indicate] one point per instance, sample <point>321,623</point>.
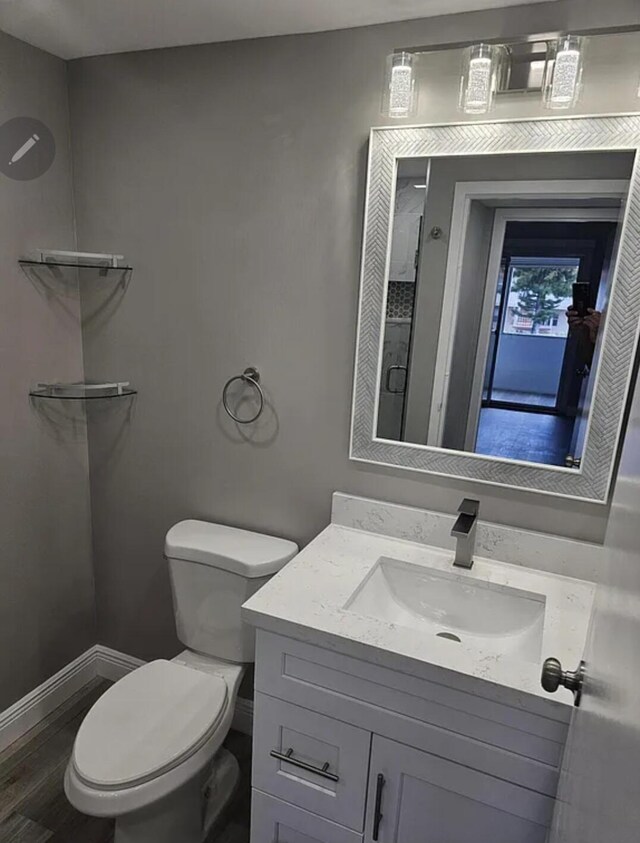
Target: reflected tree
<point>540,290</point>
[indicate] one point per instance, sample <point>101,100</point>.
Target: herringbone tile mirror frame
<point>592,480</point>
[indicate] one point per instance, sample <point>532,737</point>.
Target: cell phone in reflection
<point>581,297</point>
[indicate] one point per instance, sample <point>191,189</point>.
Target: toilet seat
<point>148,723</point>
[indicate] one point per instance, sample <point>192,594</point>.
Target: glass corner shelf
<point>82,391</point>
<point>57,259</point>
<point>103,268</point>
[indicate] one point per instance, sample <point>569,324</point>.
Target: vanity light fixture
<point>478,82</point>
<point>563,75</point>
<point>400,85</point>
<point>549,65</point>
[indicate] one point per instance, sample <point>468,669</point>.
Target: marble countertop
<point>306,601</point>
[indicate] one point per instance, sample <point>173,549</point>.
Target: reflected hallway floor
<point>516,435</point>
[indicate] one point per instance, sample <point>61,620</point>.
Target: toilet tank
<point>214,569</point>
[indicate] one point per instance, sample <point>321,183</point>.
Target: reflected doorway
<point>538,367</point>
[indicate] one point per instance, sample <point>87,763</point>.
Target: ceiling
<point>74,28</point>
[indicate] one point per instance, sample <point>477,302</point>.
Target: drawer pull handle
<point>377,811</point>
<point>319,771</point>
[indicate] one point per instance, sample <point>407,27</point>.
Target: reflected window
<point>539,296</point>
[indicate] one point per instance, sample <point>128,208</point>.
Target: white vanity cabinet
<point>346,750</point>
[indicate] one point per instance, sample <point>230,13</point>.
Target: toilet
<point>149,752</point>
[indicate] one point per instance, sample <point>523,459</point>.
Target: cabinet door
<point>416,797</point>
<point>275,821</point>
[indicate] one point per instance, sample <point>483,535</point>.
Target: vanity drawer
<point>275,821</point>
<point>327,764</point>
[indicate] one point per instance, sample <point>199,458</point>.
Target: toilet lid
<point>147,723</point>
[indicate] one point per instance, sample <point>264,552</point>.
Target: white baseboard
<point>36,705</point>
<point>102,661</point>
<point>110,664</point>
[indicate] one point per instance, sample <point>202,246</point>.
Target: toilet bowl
<point>149,749</point>
<point>149,752</point>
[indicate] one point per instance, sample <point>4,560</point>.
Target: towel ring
<point>252,377</point>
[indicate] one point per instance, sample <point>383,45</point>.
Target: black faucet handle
<point>469,507</point>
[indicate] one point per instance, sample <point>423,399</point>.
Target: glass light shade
<point>478,82</point>
<point>400,86</point>
<point>563,77</point>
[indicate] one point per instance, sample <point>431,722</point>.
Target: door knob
<point>553,676</point>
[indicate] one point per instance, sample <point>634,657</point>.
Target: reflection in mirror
<point>500,270</point>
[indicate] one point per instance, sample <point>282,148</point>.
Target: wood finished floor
<point>34,809</point>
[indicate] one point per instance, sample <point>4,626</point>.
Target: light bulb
<point>399,99</point>
<point>477,87</point>
<point>564,76</point>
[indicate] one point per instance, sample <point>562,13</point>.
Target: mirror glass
<point>499,274</point>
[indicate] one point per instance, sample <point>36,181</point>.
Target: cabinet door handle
<point>377,810</point>
<point>310,768</point>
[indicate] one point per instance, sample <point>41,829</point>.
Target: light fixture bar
<point>550,63</point>
<point>522,67</point>
<point>513,40</point>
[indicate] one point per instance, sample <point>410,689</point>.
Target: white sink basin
<point>458,608</point>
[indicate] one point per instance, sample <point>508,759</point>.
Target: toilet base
<point>188,814</point>
<point>221,787</point>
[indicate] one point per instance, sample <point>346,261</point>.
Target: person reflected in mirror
<point>586,329</point>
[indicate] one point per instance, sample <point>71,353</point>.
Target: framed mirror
<point>500,301</point>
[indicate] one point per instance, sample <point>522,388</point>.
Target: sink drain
<point>449,636</point>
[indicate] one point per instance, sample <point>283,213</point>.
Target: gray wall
<point>47,613</point>
<point>233,177</point>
